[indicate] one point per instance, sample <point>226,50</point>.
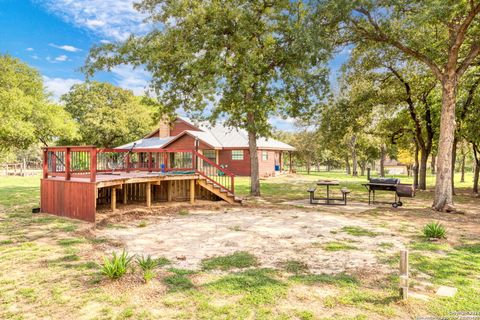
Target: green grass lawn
<point>49,269</point>
<point>295,187</point>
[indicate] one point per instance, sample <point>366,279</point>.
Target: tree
<point>242,61</point>
<point>443,35</point>
<point>108,116</point>
<point>25,112</point>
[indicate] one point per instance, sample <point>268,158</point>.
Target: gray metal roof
<point>217,136</point>
<point>147,143</point>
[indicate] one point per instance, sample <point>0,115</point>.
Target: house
<point>394,167</point>
<point>224,146</point>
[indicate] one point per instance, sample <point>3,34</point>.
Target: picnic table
<point>328,200</point>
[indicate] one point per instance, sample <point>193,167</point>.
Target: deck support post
<point>114,198</point>
<point>125,194</point>
<point>192,191</point>
<point>149,194</point>
<point>169,190</point>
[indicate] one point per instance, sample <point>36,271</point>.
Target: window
<point>210,155</point>
<point>264,155</point>
<point>237,154</point>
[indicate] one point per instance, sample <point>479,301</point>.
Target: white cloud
<point>112,19</point>
<point>35,57</point>
<point>133,79</point>
<point>66,47</point>
<point>61,58</point>
<point>29,49</point>
<point>59,86</point>
<point>283,124</point>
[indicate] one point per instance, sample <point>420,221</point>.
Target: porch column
<point>290,160</point>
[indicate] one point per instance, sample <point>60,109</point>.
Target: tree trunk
<point>443,200</point>
<point>354,156</point>
<point>422,183</point>
<point>383,157</point>
<point>308,165</point>
<point>454,161</point>
<point>347,165</point>
<point>477,170</point>
<point>254,174</point>
<point>362,169</point>
<point>415,167</point>
<point>462,168</point>
<point>434,157</point>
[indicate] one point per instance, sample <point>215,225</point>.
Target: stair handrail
<point>218,167</point>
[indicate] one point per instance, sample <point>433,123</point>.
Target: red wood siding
<point>266,167</point>
<point>237,167</point>
<point>68,199</point>
<point>186,142</point>
<point>178,126</point>
<point>242,167</point>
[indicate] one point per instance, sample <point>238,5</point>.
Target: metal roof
<point>218,136</point>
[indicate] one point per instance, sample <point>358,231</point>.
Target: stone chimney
<point>163,128</point>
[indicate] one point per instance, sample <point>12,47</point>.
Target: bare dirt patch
<point>272,234</point>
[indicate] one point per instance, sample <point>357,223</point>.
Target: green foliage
<point>116,266</point>
<point>178,282</point>
<point>259,285</point>
<point>27,114</point>
<point>340,279</point>
<point>359,231</point>
<point>108,116</point>
<point>239,259</point>
<point>338,246</point>
<point>434,230</point>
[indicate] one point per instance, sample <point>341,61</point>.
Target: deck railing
<point>88,161</point>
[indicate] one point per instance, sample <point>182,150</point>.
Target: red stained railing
<point>88,161</point>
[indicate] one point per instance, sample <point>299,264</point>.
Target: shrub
<point>117,266</point>
<point>434,230</point>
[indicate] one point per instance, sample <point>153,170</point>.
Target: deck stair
<point>218,190</point>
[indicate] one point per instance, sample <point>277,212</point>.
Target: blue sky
<point>54,36</point>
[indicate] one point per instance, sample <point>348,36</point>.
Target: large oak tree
<point>444,35</point>
<point>239,61</point>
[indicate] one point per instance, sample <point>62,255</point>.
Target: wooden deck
<point>78,179</point>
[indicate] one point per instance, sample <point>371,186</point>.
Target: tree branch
<point>381,36</point>
<point>472,54</point>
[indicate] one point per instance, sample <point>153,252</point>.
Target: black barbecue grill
<point>388,184</point>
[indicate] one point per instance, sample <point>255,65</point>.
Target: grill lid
<point>385,180</point>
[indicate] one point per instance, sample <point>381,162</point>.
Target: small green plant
<point>142,224</point>
<point>235,228</point>
<point>434,230</point>
<point>183,212</point>
<point>147,264</point>
<point>117,266</point>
